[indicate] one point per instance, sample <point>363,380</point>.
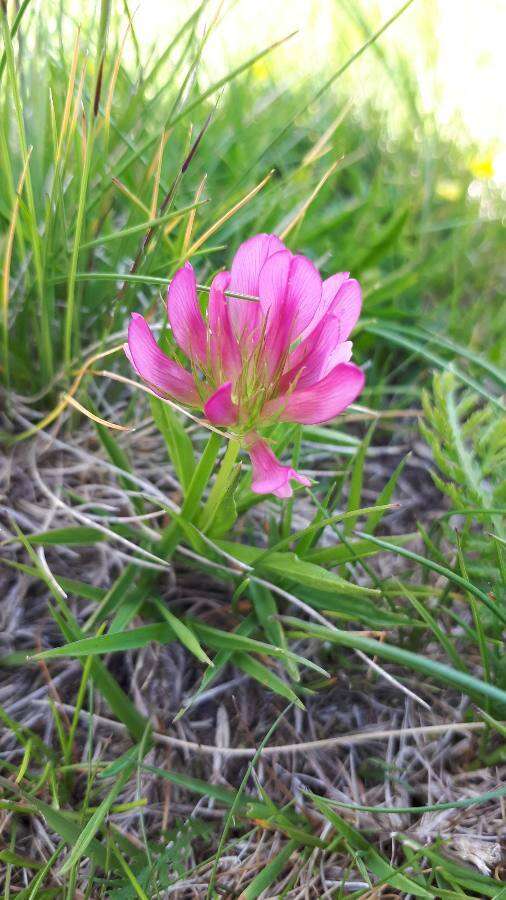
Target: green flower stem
<point>220,486</point>
<point>286,525</point>
<point>197,486</point>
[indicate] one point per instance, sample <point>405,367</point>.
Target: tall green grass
<point>108,141</point>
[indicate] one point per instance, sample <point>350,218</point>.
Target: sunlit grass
<point>457,58</point>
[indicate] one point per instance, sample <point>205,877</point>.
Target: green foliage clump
<point>467,437</point>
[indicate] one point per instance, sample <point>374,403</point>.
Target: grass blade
<point>469,684</point>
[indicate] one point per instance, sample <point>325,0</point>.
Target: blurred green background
<point>380,126</point>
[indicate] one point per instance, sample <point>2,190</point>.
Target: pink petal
<point>220,409</point>
<point>164,375</point>
<point>272,284</point>
<point>322,401</point>
<point>316,355</point>
<point>269,475</point>
<point>245,273</point>
<point>184,315</point>
<point>340,354</point>
<point>290,291</point>
<point>330,288</point>
<point>224,350</point>
<point>324,344</point>
<point>346,305</point>
<point>304,292</point>
<point>285,491</point>
<point>249,260</point>
<point>278,318</point>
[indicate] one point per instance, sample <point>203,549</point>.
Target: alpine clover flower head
<point>282,358</point>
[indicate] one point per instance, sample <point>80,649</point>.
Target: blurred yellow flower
<point>260,69</point>
<point>482,165</point>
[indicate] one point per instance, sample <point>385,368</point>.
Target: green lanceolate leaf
<point>225,640</point>
<point>266,677</point>
<point>78,535</point>
<point>164,633</point>
<point>112,643</point>
<point>183,633</point>
<point>289,567</point>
